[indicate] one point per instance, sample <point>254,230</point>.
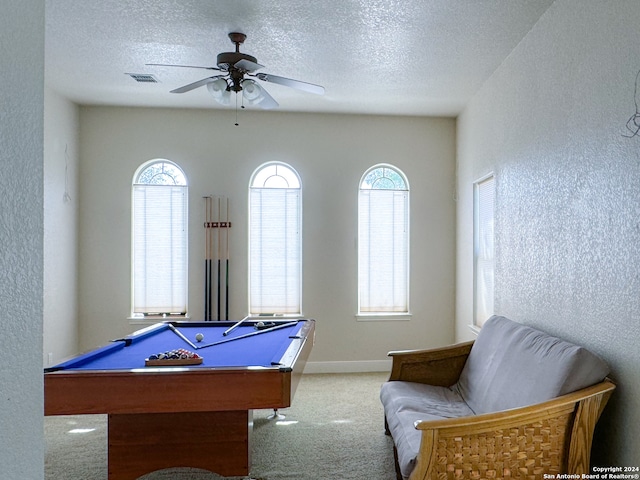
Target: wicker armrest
<point>550,437</point>
<point>437,366</point>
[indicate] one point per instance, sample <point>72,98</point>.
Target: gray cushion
<point>440,401</point>
<point>406,403</point>
<point>512,365</point>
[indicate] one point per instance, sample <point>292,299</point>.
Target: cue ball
<point>260,324</point>
<point>199,337</point>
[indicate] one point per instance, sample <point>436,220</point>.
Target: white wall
<point>330,152</point>
<point>60,228</point>
<point>21,257</point>
<point>550,124</point>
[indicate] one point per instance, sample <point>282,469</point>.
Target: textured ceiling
<point>400,57</point>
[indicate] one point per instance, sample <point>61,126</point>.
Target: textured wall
<point>60,228</point>
<point>550,124</point>
<point>21,145</point>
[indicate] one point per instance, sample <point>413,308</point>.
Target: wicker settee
<point>517,403</point>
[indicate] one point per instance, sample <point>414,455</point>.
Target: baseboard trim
<point>364,366</point>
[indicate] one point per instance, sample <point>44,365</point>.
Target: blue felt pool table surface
<point>202,412</point>
<point>261,348</point>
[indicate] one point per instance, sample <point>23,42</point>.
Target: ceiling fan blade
<point>182,66</point>
<point>288,82</point>
<point>267,102</point>
<point>247,65</point>
<point>191,86</point>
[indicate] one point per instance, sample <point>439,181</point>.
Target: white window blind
<point>484,252</point>
<point>275,244</point>
<point>383,244</point>
<point>159,248</point>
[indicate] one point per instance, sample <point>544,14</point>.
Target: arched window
<point>383,241</point>
<point>275,240</point>
<point>159,243</point>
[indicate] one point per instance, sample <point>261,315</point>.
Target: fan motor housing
<point>228,59</point>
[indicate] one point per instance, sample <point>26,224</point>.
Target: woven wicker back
<point>523,452</point>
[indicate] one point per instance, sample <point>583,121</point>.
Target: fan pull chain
<point>236,124</point>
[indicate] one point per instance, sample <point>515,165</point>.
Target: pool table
<point>183,416</point>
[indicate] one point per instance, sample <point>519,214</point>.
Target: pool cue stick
<point>226,270</point>
<point>247,335</point>
<point>234,326</point>
<point>206,257</point>
<point>219,267</point>
<point>210,270</point>
<point>179,333</point>
<point>211,240</point>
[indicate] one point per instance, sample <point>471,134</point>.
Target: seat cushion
<point>512,365</point>
<point>406,403</point>
<point>440,401</point>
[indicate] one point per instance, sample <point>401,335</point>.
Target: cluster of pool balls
<point>179,354</point>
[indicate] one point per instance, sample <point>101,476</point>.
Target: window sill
<point>263,316</point>
<point>382,317</point>
<point>156,319</point>
<point>475,329</point>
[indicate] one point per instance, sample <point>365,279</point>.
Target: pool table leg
<point>214,441</point>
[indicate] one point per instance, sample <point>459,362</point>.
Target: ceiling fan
<point>236,67</point>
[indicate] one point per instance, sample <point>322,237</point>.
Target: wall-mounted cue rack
<point>216,256</point>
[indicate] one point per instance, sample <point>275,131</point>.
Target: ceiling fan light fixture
<point>235,66</point>
<point>252,92</point>
<point>219,89</point>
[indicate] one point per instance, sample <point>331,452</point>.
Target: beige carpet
<point>333,431</point>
